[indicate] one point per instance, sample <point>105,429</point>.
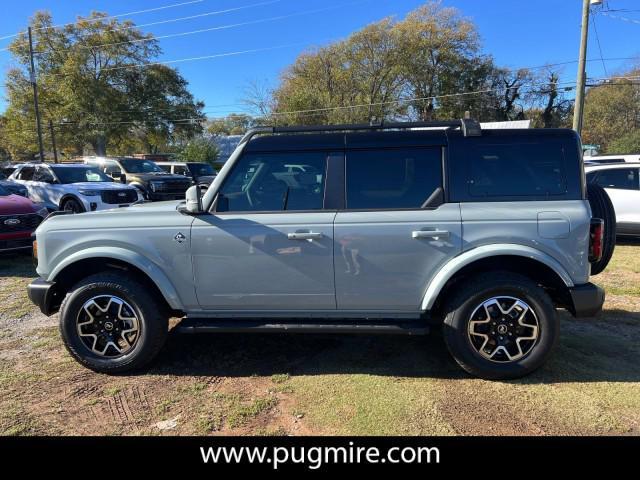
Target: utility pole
<point>53,141</point>
<point>582,65</point>
<point>35,97</point>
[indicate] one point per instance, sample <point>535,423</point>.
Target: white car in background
<point>608,159</point>
<point>622,182</point>
<point>73,187</point>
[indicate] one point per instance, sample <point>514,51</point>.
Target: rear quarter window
<point>513,169</point>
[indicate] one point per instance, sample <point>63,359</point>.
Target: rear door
<point>396,230</point>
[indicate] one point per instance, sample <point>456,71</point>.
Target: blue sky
<point>518,33</point>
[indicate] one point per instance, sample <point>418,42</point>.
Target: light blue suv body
<point>232,256</point>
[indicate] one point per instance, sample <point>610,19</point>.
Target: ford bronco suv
<point>387,228</point>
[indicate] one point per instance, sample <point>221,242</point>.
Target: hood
<point>145,177</point>
<point>16,205</point>
<point>134,216</point>
<point>99,186</point>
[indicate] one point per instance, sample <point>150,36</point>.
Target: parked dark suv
<point>200,173</point>
<point>153,182</point>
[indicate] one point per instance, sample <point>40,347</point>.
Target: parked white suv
<point>73,187</point>
<point>622,182</point>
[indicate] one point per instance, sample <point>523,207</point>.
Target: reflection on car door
<point>396,232</point>
<point>268,246</point>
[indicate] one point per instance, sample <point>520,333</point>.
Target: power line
<point>109,17</point>
<point>595,29</point>
<point>224,27</point>
<point>200,15</point>
<point>624,19</point>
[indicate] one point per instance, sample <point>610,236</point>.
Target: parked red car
<point>19,217</point>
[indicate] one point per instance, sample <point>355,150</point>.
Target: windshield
<point>201,169</point>
<point>134,165</point>
<point>80,174</point>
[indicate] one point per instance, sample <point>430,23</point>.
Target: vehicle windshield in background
<point>80,174</point>
<point>201,169</point>
<point>133,165</point>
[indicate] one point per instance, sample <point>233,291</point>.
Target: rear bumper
<point>44,295</point>
<point>587,300</point>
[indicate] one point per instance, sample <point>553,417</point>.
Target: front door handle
<point>435,234</point>
<point>304,236</point>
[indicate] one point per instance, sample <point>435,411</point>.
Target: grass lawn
<point>293,384</point>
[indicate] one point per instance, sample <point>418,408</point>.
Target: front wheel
<point>111,324</point>
<point>72,205</point>
<point>500,326</point>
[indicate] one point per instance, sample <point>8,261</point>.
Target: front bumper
<point>587,300</point>
<point>44,295</point>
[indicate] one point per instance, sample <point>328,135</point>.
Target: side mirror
<point>194,200</point>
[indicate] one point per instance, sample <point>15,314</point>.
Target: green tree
<point>232,124</point>
<point>612,110</point>
<point>92,85</point>
<point>199,149</point>
<point>629,143</point>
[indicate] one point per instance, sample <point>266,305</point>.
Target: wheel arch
<point>523,260</point>
<point>70,196</point>
<point>78,265</point>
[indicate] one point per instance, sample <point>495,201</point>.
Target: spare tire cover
<point>601,207</point>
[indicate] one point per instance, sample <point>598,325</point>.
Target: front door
<point>396,232</point>
<point>268,246</point>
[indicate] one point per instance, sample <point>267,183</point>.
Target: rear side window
<point>402,178</point>
<point>503,166</point>
<point>26,173</point>
<point>516,170</point>
<point>620,178</point>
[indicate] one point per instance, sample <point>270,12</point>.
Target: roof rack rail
<point>469,127</point>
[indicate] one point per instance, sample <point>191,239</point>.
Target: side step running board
<point>196,325</point>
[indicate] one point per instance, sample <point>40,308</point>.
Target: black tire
<point>152,317</point>
<point>72,205</point>
<point>601,207</point>
<point>469,296</point>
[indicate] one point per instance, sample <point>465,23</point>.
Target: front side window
<point>80,174</point>
<point>264,182</point>
<point>42,174</point>
<point>134,165</point>
<point>516,169</point>
<point>620,178</point>
<point>201,169</point>
<point>403,178</point>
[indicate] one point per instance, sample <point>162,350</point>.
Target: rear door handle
<point>304,236</point>
<point>435,234</point>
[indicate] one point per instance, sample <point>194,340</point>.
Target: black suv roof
<point>374,136</point>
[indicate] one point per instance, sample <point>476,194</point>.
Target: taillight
<point>35,253</point>
<point>596,238</point>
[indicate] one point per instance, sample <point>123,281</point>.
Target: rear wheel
<point>500,326</point>
<point>601,207</point>
<point>111,324</point>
